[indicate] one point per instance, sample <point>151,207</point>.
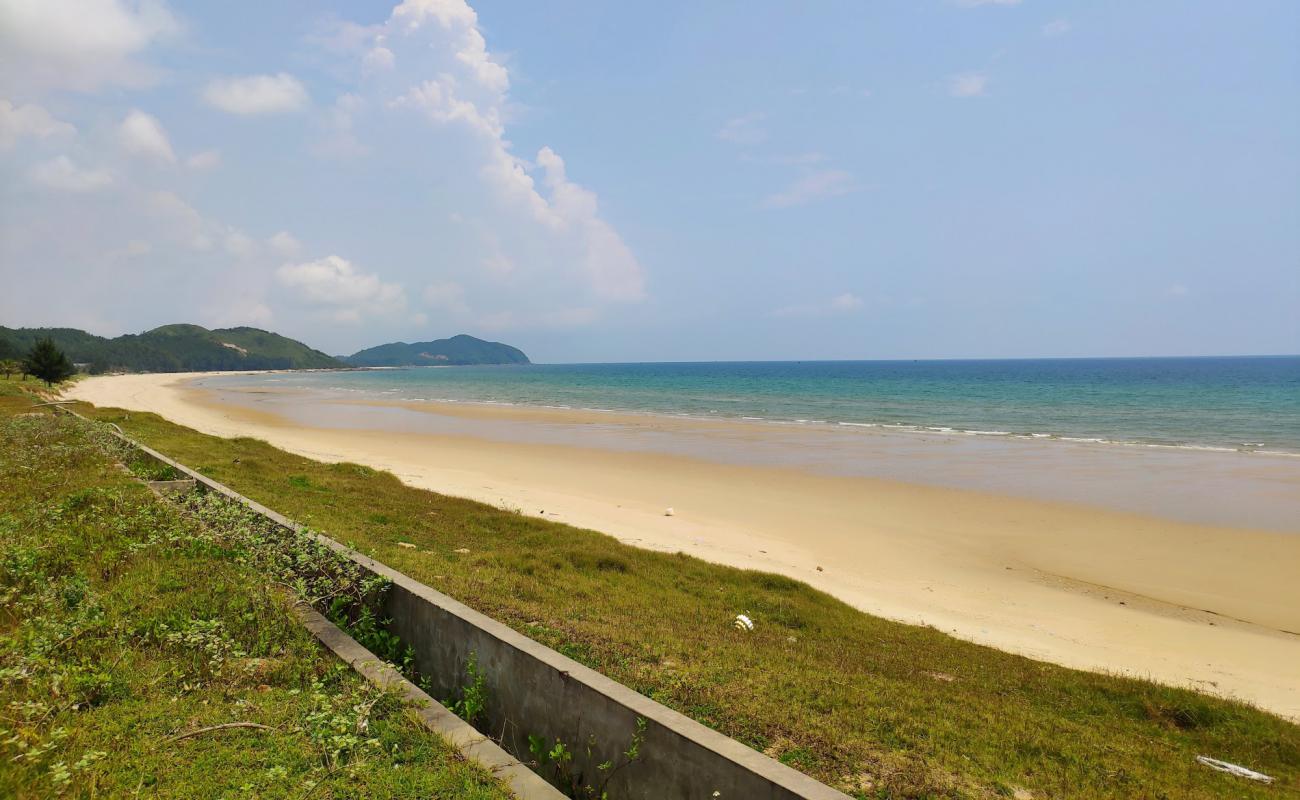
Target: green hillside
<point>172,348</point>
<point>458,350</point>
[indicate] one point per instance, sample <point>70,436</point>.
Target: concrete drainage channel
<point>535,692</point>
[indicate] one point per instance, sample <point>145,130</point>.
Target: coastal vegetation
<point>877,708</point>
<point>47,362</point>
<point>459,350</point>
<point>171,348</point>
<point>151,650</point>
<point>191,348</point>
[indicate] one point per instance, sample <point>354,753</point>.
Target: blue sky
<point>667,181</point>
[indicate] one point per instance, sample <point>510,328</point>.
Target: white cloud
<point>977,3</point>
<point>968,84</point>
<point>239,244</point>
<point>1178,290</point>
<point>609,264</point>
<point>340,140</point>
<point>559,318</point>
<point>1057,27</point>
<point>257,94</point>
<point>80,44</point>
<point>206,159</point>
<point>143,135</point>
<point>285,244</point>
<point>844,303</point>
<point>335,284</point>
<point>744,130</point>
<point>789,160</point>
<point>17,122</point>
<point>63,175</point>
<point>378,59</point>
<point>448,297</point>
<point>818,185</point>
<point>470,92</point>
<point>457,17</point>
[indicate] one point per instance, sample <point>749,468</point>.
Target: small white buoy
<point>743,623</point>
<point>668,512</point>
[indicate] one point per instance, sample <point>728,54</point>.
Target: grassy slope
<point>121,629</point>
<point>879,708</point>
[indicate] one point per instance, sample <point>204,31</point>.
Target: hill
<point>172,348</point>
<point>458,350</point>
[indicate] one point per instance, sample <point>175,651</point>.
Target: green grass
<point>876,707</point>
<point>126,623</point>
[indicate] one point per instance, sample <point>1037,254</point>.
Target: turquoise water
<point>1245,403</point>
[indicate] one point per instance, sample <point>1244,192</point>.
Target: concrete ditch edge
<point>523,782</point>
<point>777,780</point>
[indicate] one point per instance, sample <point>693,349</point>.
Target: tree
<point>9,366</point>
<point>48,362</point>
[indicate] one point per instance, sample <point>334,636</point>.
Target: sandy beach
<point>1209,605</point>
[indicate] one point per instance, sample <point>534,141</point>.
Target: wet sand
<point>1093,584</point>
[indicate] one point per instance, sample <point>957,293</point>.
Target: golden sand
<point>1212,607</point>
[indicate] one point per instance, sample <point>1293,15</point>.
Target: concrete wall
<point>535,690</point>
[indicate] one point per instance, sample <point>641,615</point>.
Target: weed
<point>473,701</point>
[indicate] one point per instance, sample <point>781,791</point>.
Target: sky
<point>596,181</point>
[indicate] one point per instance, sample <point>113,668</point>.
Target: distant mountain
<point>172,348</point>
<point>461,349</point>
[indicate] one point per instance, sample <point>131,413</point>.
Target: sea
<point>1209,403</point>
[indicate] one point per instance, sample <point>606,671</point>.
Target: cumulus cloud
<point>968,84</point>
<point>744,130</point>
<point>143,135</point>
<point>285,244</point>
<point>18,122</point>
<point>238,244</point>
<point>844,303</point>
<point>257,94</point>
<point>348,294</point>
<point>475,99</point>
<point>817,186</point>
<point>557,318</point>
<point>446,296</point>
<point>787,160</point>
<point>61,174</point>
<point>79,44</point>
<point>206,159</point>
<point>339,139</point>
<point>378,59</point>
<point>456,17</point>
<point>609,264</point>
<point>1057,27</point>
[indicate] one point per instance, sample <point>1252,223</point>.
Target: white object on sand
<point>1233,769</point>
<point>668,512</point>
<point>743,623</point>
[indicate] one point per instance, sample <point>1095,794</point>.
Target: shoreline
<point>1209,606</point>
<point>915,429</point>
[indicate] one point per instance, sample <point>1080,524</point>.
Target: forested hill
<point>172,348</point>
<point>458,350</point>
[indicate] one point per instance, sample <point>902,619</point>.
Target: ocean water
<point>1239,403</point>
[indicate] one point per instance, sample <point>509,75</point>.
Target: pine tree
<point>48,362</point>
